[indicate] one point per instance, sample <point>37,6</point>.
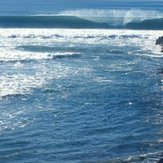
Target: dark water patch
<point>74,49</point>
<point>160,71</point>
<point>130,36</point>
<point>43,36</point>
<point>14,144</point>
<point>46,22</point>
<point>66,56</point>
<point>50,49</point>
<point>13,36</point>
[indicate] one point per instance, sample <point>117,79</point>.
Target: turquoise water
<point>80,87</point>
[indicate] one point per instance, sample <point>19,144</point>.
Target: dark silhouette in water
<point>161,71</point>
<point>160,161</point>
<point>159,41</point>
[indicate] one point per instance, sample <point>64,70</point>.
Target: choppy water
<point>73,95</point>
<point>81,81</point>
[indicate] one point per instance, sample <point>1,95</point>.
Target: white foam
<point>146,41</point>
<point>11,120</point>
<point>19,83</point>
<point>113,16</point>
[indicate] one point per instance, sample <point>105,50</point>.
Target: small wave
<point>156,157</point>
<point>27,56</point>
<point>31,36</point>
<point>51,49</point>
<point>150,157</point>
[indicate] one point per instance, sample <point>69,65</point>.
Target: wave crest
<point>126,19</point>
<point>114,17</point>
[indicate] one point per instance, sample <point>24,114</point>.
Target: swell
<point>76,22</point>
<point>46,22</point>
<point>147,24</point>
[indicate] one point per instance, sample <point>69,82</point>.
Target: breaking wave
<point>92,18</point>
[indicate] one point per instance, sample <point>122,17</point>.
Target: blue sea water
<point>81,81</point>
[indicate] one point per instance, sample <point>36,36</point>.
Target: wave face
<point>47,22</point>
<point>129,19</point>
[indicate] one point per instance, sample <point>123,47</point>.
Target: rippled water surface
<point>70,95</point>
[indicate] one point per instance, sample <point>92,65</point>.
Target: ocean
<point>81,81</point>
